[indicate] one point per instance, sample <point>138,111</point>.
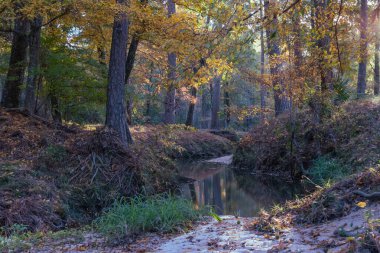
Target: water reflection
<point>228,193</point>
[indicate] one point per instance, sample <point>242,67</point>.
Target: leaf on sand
<point>361,204</point>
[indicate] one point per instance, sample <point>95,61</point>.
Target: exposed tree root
<point>370,196</point>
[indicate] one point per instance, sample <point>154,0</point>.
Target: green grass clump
<point>160,213</point>
<point>326,169</point>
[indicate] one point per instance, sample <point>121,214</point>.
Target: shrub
<point>160,213</point>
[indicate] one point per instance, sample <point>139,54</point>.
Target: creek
<point>216,184</point>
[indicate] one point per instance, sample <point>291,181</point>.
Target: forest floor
<point>357,231</point>
<point>47,171</point>
<point>234,234</point>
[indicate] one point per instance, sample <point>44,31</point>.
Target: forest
<point>189,125</point>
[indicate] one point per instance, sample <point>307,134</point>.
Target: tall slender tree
<point>116,116</point>
<point>362,71</point>
<point>263,89</point>
<point>215,102</point>
<point>281,102</point>
<point>169,104</point>
<point>376,87</point>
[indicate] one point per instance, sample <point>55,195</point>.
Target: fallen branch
<point>370,196</point>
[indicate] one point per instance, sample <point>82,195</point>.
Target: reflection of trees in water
<point>245,194</point>
<point>217,192</point>
<point>272,190</point>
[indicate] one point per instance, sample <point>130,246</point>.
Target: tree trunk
<point>323,43</point>
<point>281,103</point>
<point>55,112</point>
<point>215,102</point>
<point>129,111</point>
<point>362,72</point>
<point>263,90</point>
<point>169,116</point>
<point>17,65</point>
<point>116,116</point>
<point>190,112</point>
<point>227,106</point>
<point>377,55</point>
<point>131,57</point>
<point>34,64</point>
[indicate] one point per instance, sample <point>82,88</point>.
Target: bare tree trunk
<point>323,43</point>
<point>17,64</point>
<point>34,64</point>
<point>116,116</point>
<point>169,115</point>
<point>227,106</point>
<point>263,90</point>
<point>190,112</point>
<point>362,72</point>
<point>215,102</point>
<point>376,87</point>
<point>131,57</point>
<point>55,112</point>
<point>281,103</point>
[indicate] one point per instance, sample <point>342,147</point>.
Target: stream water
<point>234,194</point>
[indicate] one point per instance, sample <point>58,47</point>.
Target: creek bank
<point>56,177</point>
<point>350,137</point>
<point>234,234</point>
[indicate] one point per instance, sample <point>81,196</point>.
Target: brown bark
<point>190,112</point>
<point>362,71</point>
<point>17,64</point>
<point>34,64</point>
<point>281,102</point>
<point>227,106</point>
<point>169,104</point>
<point>116,116</point>
<point>215,102</point>
<point>263,89</point>
<point>323,44</point>
<point>131,57</point>
<point>376,88</point>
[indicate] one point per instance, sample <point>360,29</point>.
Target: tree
<point>281,102</point>
<point>34,64</point>
<point>263,89</point>
<point>377,51</point>
<point>215,102</point>
<point>18,61</point>
<point>262,63</point>
<point>169,104</point>
<point>362,71</point>
<point>190,112</point>
<point>116,116</point>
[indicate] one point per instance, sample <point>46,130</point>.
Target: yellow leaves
<point>361,204</point>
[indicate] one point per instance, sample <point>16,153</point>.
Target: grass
<point>21,241</point>
<point>325,170</point>
<point>160,213</point>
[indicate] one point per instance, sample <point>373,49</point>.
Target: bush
<point>160,213</point>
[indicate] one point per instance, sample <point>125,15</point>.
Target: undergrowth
<point>21,241</point>
<point>346,141</point>
<point>57,177</point>
<point>160,213</point>
<point>326,170</point>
